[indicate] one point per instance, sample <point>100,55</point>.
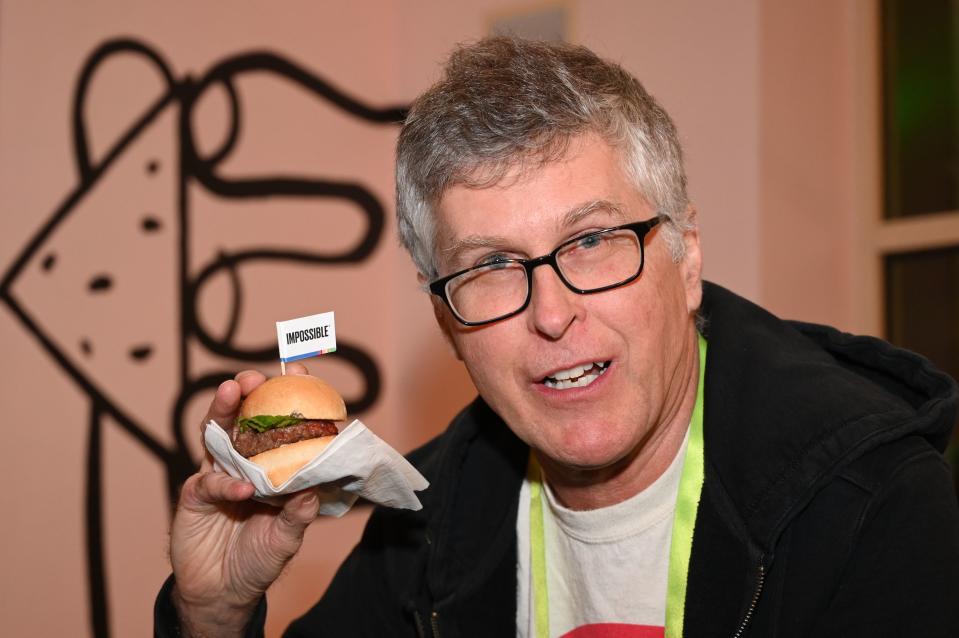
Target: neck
<point>593,488</point>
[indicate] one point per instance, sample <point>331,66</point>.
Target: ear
<point>691,265</point>
<point>443,318</point>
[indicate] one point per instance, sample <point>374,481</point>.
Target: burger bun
<point>283,462</point>
<point>293,394</point>
<point>300,394</point>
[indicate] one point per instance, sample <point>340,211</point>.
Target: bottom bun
<point>283,462</point>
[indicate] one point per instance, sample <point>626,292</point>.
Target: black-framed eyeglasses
<point>594,262</point>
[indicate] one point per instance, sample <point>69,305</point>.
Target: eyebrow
<point>569,218</point>
<point>582,211</point>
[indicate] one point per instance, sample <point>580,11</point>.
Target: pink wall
<point>805,169</point>
<point>732,74</point>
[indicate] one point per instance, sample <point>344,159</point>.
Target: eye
<point>497,259</point>
<point>589,241</point>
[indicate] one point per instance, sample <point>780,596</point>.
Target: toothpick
<point>282,367</point>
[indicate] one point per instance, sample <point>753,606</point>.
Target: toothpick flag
<point>305,337</point>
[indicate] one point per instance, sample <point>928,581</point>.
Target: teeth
<point>572,373</point>
<point>575,377</point>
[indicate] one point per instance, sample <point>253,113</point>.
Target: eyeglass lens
<point>595,261</point>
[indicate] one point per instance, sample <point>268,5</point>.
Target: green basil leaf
<point>263,422</point>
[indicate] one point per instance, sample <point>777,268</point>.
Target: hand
<point>227,550</point>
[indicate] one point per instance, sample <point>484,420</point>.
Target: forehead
<point>538,203</point>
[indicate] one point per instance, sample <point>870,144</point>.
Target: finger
<point>204,491</point>
<point>298,512</point>
<point>296,368</point>
<point>249,380</point>
<point>226,402</point>
<point>224,405</point>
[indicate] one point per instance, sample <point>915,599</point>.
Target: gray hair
<point>506,102</point>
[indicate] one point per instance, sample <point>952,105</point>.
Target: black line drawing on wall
<point>108,346</point>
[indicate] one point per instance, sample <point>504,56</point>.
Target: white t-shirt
<point>606,569</point>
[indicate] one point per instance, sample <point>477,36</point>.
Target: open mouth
<point>577,376</point>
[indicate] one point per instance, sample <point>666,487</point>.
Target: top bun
<point>300,394</point>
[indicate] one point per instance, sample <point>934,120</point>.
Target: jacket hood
<point>789,404</point>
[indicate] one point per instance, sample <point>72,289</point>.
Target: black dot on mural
<point>150,224</point>
<point>86,347</point>
<point>101,283</point>
<point>153,166</point>
<point>141,353</point>
<point>49,262</point>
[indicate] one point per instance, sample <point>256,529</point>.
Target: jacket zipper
<point>435,624</point>
<point>420,629</point>
<point>760,580</point>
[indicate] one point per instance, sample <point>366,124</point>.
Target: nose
<point>553,307</point>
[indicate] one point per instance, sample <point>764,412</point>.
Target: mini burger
<point>285,422</point>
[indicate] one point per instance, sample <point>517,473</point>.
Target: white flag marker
<point>305,337</point>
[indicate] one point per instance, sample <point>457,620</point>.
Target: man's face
<point>643,331</point>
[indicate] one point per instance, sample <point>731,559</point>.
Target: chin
<point>589,453</point>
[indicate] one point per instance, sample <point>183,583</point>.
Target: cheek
<point>487,355</point>
<point>669,288</point>
<point>653,320</point>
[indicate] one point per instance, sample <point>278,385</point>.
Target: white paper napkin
<point>356,463</point>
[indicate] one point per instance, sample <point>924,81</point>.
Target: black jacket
<point>826,510</point>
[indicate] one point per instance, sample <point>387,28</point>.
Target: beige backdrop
<point>104,283</point>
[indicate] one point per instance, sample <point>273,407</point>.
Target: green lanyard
<point>684,520</point>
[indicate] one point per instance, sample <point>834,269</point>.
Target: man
<point>646,451</point>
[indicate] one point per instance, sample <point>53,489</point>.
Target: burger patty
<point>250,443</point>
